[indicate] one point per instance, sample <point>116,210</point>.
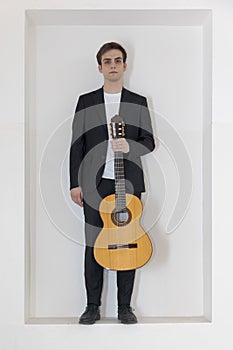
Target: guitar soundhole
<point>121,217</point>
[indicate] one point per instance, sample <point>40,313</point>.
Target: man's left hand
<point>120,145</point>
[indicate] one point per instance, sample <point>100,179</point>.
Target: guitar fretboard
<point>119,181</point>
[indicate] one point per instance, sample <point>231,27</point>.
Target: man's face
<point>112,66</point>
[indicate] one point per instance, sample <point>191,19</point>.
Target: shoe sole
<point>127,322</point>
<point>85,322</point>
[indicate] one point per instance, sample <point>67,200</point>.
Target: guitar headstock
<point>117,127</point>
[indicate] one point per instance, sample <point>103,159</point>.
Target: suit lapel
<point>98,98</point>
<point>123,103</point>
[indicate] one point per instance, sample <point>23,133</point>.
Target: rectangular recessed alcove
<point>175,48</point>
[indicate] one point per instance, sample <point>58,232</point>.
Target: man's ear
<point>125,66</point>
<point>100,68</point>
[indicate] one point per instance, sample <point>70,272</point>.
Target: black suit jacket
<point>90,138</point>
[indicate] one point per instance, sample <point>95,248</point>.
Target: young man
<point>92,166</point>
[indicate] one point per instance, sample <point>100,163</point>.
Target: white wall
<point>171,74</point>
<point>17,335</point>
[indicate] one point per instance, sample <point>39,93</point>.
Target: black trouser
<point>93,271</point>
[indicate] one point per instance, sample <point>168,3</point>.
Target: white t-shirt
<point>112,104</point>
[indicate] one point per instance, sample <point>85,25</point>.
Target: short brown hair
<point>110,46</point>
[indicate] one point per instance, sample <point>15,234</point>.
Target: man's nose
<point>113,65</point>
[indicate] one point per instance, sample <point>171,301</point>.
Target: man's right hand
<point>77,195</point>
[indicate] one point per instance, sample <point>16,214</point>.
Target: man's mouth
<point>113,72</point>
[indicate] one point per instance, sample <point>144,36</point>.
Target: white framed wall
<point>18,335</point>
<point>61,65</point>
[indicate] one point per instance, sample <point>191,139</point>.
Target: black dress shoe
<point>126,315</point>
<point>90,315</point>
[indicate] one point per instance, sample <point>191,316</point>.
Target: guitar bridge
<point>123,246</point>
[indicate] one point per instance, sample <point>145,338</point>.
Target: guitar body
<point>122,244</point>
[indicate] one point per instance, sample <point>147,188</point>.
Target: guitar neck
<point>119,181</point>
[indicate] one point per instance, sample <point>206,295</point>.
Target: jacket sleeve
<point>145,142</point>
<point>77,143</point>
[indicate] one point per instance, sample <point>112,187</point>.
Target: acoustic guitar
<point>122,244</point>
